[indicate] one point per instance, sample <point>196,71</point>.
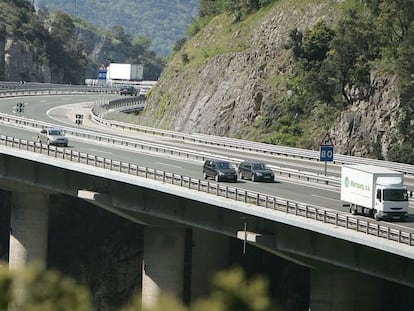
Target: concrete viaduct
<point>343,264</point>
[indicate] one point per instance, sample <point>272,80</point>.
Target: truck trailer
<point>374,191</point>
<point>124,72</point>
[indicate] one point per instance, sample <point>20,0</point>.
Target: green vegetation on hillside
<point>333,63</point>
<point>53,40</point>
<point>332,60</point>
<point>163,22</point>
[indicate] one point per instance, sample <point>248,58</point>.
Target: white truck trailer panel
<point>358,183</point>
<point>357,186</point>
<point>137,72</point>
<point>118,71</point>
<point>128,72</point>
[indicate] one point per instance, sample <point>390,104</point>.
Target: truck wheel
<point>376,215</point>
<point>353,210</point>
<point>241,175</point>
<point>217,178</point>
<point>204,175</point>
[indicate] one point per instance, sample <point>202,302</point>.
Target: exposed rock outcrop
<point>228,93</point>
<point>368,127</point>
<point>23,62</point>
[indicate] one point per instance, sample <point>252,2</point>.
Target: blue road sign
<point>102,75</point>
<point>326,153</point>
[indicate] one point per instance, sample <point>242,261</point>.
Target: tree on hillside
<point>65,52</point>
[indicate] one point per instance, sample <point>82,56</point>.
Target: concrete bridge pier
<point>210,253</point>
<point>28,229</point>
<point>163,264</point>
<point>337,290</point>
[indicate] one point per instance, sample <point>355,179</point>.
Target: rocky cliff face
<point>22,61</point>
<point>369,127</point>
<point>230,92</point>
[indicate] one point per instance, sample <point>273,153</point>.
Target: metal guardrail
<point>234,143</point>
<point>368,227</point>
<point>73,91</point>
<point>160,148</point>
<point>32,88</point>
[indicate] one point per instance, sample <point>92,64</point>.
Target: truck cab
<point>390,202</point>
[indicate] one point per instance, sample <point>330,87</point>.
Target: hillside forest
<point>333,63</point>
<point>162,22</point>
<point>66,44</point>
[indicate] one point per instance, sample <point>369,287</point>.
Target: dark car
<point>219,170</point>
<point>128,90</point>
<point>255,171</point>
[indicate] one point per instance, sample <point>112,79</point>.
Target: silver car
<point>53,136</point>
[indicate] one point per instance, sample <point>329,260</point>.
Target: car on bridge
<point>128,90</point>
<point>53,136</point>
<point>219,170</point>
<point>255,171</point>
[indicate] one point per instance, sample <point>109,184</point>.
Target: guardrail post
<point>346,222</point>
<point>189,182</point>
<point>258,199</point>
<point>324,216</point>
<point>217,189</point>
<point>146,172</point>
<point>163,176</point>
<point>227,192</point>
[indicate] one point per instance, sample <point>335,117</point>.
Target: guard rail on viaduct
<point>309,235</point>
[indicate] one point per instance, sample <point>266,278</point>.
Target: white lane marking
<point>97,150</point>
<point>166,164</point>
<point>325,198</point>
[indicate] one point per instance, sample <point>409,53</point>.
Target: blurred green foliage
<point>34,289</point>
<point>37,290</point>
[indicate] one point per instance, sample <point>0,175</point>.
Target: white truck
<point>124,72</point>
<point>374,191</point>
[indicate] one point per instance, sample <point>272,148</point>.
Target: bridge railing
<point>98,116</point>
<point>8,89</point>
<point>161,148</point>
<point>299,209</point>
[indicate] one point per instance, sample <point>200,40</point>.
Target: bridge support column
<point>28,229</point>
<point>163,264</point>
<point>344,291</point>
<point>210,254</point>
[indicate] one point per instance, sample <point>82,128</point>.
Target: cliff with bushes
<point>285,72</point>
